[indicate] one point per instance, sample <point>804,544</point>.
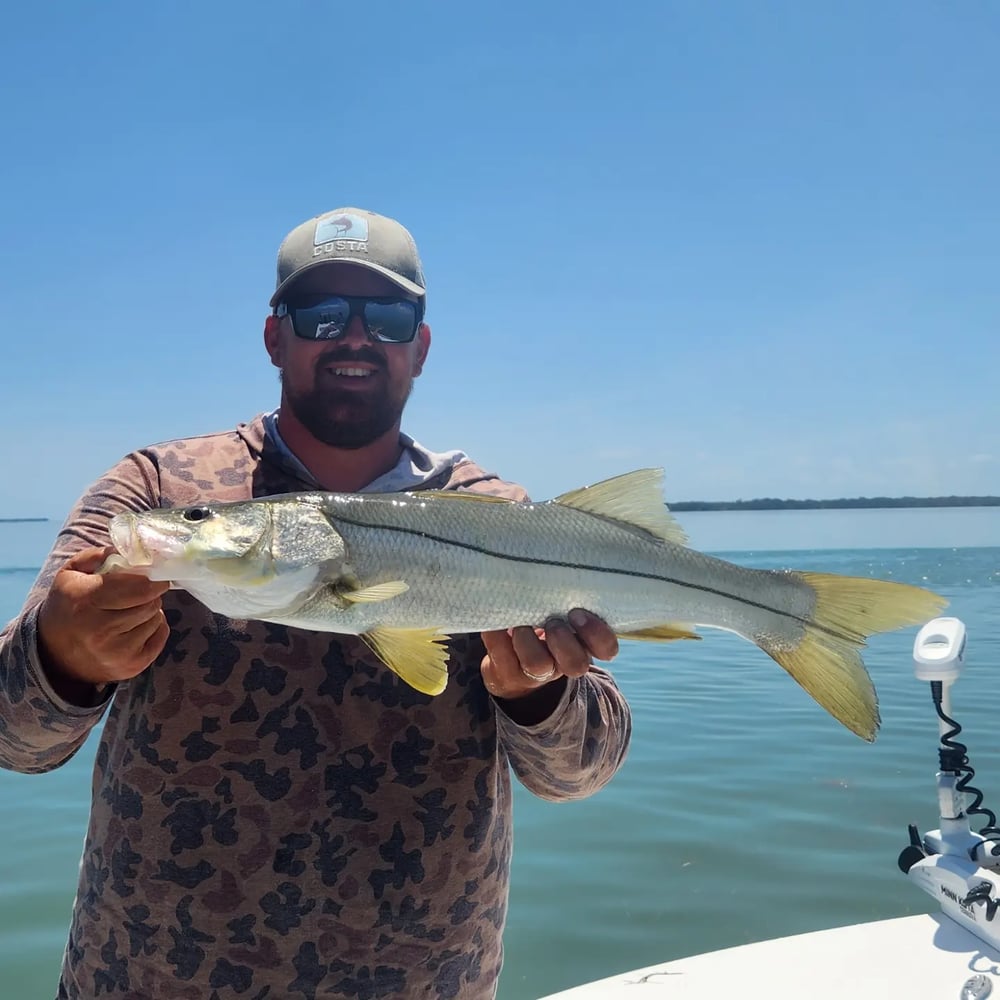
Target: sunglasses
<point>390,321</point>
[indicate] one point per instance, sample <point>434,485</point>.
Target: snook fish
<point>406,570</point>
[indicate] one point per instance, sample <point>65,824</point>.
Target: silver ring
<point>540,678</point>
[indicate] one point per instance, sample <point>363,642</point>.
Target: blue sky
<point>755,243</point>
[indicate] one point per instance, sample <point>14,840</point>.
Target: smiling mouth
<point>351,372</point>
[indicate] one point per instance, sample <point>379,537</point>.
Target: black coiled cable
<point>983,893</point>
<point>954,757</point>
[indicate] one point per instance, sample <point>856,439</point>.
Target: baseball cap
<point>354,236</point>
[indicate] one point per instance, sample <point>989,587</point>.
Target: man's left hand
<point>520,661</point>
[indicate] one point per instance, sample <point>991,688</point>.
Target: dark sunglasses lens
<point>391,322</point>
<point>325,320</point>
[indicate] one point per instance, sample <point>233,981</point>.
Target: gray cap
<point>353,236</point>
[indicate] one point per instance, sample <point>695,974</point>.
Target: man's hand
<point>521,661</point>
<point>95,629</point>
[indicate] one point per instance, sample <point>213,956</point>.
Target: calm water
<point>743,811</point>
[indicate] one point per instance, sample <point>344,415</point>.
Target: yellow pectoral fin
<point>418,656</point>
<point>660,633</point>
<point>378,592</point>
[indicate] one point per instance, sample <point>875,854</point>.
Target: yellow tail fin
<point>827,662</point>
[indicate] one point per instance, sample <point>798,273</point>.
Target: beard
<point>343,418</point>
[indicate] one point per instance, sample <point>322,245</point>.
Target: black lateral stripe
<point>398,529</point>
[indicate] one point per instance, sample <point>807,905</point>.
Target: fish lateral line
<point>510,557</point>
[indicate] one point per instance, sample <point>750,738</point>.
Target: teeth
<point>351,371</point>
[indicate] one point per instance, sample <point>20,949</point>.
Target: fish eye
<point>197,514</point>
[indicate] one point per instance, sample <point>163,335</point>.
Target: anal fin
<point>660,633</point>
<point>418,656</point>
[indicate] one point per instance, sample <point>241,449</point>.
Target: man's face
<point>350,391</point>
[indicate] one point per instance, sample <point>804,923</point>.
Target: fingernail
<point>577,618</point>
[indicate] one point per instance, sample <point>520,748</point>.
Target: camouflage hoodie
<point>275,814</point>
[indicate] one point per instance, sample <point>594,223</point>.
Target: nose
<point>355,334</point>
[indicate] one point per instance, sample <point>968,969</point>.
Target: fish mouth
<point>142,544</point>
<point>126,539</point>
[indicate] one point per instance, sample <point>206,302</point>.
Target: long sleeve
<point>579,747</point>
<point>39,730</point>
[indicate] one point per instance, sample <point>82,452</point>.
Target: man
<point>275,814</point>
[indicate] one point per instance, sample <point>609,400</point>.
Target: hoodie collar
<point>417,465</point>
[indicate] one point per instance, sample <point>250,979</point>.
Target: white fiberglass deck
<point>924,957</point>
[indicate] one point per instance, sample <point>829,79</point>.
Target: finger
<point>496,664</point>
<point>500,649</point>
<point>125,620</point>
<point>502,670</point>
<point>121,591</point>
<point>534,659</point>
<point>155,644</point>
<point>90,559</point>
<point>568,653</point>
<point>148,639</point>
<point>595,634</point>
<point>110,592</point>
<point>132,652</point>
<point>99,560</point>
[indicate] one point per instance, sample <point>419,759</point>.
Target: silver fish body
<point>406,570</point>
<point>472,567</point>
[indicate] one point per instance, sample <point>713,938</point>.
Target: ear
<point>423,346</point>
<point>272,339</point>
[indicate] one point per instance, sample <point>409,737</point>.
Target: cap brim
<point>408,286</point>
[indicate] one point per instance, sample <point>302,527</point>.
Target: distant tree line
<point>772,503</point>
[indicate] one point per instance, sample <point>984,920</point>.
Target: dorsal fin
<point>635,498</point>
<point>459,495</point>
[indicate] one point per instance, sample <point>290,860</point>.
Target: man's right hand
<point>96,629</point>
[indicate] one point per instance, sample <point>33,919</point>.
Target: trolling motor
<point>959,867</point>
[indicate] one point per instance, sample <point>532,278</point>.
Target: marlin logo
<point>341,227</point>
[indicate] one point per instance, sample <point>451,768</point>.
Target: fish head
<point>228,540</point>
<point>281,544</point>
<point>247,559</point>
